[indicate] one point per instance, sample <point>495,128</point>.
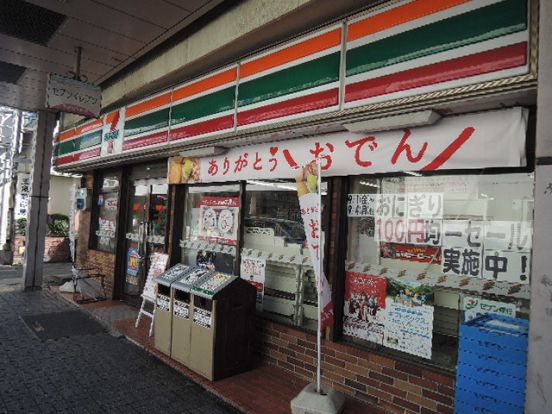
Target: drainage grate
<point>62,324</point>
<point>28,22</point>
<point>10,73</point>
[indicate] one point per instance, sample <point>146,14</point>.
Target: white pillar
<point>539,374</point>
<point>38,201</point>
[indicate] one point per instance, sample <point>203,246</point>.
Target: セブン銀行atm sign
<point>482,140</point>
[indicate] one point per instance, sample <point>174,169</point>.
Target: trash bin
<point>163,315</point>
<point>223,321</point>
<point>182,310</point>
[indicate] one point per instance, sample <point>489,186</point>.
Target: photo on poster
<point>364,309</point>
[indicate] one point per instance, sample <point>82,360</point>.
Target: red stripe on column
<point>87,154</point>
<point>290,107</point>
<point>477,64</point>
<point>145,141</point>
<point>200,128</point>
<point>64,160</point>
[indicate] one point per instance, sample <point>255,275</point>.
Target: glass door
<point>146,230</point>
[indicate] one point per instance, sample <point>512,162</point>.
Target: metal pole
<point>319,281</point>
<point>78,50</point>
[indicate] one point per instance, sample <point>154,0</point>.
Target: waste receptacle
<point>163,316</point>
<point>222,328</point>
<point>182,311</point>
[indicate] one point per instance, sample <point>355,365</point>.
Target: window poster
<point>409,318</point>
<point>411,252</point>
<point>360,205</point>
<point>253,271</point>
<point>474,307</point>
<point>363,316</point>
<point>134,261</point>
<point>219,219</point>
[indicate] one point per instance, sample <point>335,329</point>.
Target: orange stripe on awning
<point>205,84</point>
<point>89,127</point>
<point>291,53</point>
<point>398,15</point>
<point>156,102</point>
<point>62,136</point>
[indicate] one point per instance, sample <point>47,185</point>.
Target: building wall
<point>88,258</point>
<point>397,386</point>
<point>58,203</point>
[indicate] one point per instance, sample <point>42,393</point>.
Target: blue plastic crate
<point>491,375</point>
<point>462,407</point>
<point>503,391</point>
<point>515,356</point>
<point>492,362</point>
<point>486,402</point>
<point>496,329</point>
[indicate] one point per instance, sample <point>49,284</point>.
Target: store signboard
<point>158,265</point>
<point>112,133</point>
<point>482,140</point>
<point>73,96</point>
<point>474,307</point>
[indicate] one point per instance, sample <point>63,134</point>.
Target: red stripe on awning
<point>477,64</point>
<point>290,107</point>
<point>200,128</point>
<point>145,141</point>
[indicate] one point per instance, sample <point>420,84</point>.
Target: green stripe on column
<point>206,105</point>
<point>88,140</point>
<point>301,77</point>
<point>486,23</point>
<point>149,122</point>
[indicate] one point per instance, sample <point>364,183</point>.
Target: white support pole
<point>38,201</point>
<point>319,282</point>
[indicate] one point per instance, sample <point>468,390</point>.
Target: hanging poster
<point>507,266</point>
<point>364,312</point>
<point>158,265</point>
<point>411,253</point>
<point>253,270</point>
<point>218,219</point>
<point>310,203</point>
<point>409,318</point>
<point>462,247</point>
<point>134,261</point>
<point>455,142</point>
<point>474,307</point>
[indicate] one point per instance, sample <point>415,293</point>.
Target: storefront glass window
<point>106,205</point>
<point>425,253</point>
<point>274,242</point>
<point>211,227</point>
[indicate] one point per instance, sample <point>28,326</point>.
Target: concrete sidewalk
<point>12,275</point>
<point>56,358</point>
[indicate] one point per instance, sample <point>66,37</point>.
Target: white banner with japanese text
<point>310,203</point>
<point>481,140</point>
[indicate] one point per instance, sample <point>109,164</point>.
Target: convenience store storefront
<point>426,221</point>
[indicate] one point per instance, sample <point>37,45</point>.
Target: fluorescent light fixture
<point>282,186</point>
<point>409,120</point>
<point>368,184</point>
<point>204,152</point>
<point>414,173</point>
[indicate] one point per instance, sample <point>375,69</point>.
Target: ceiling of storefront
<point>40,36</point>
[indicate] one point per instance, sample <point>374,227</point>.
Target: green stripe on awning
<point>64,147</point>
<point>88,140</point>
<point>298,78</point>
<point>485,23</point>
<point>206,105</point>
<point>149,122</point>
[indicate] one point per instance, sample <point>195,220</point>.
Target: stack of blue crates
<point>492,365</point>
